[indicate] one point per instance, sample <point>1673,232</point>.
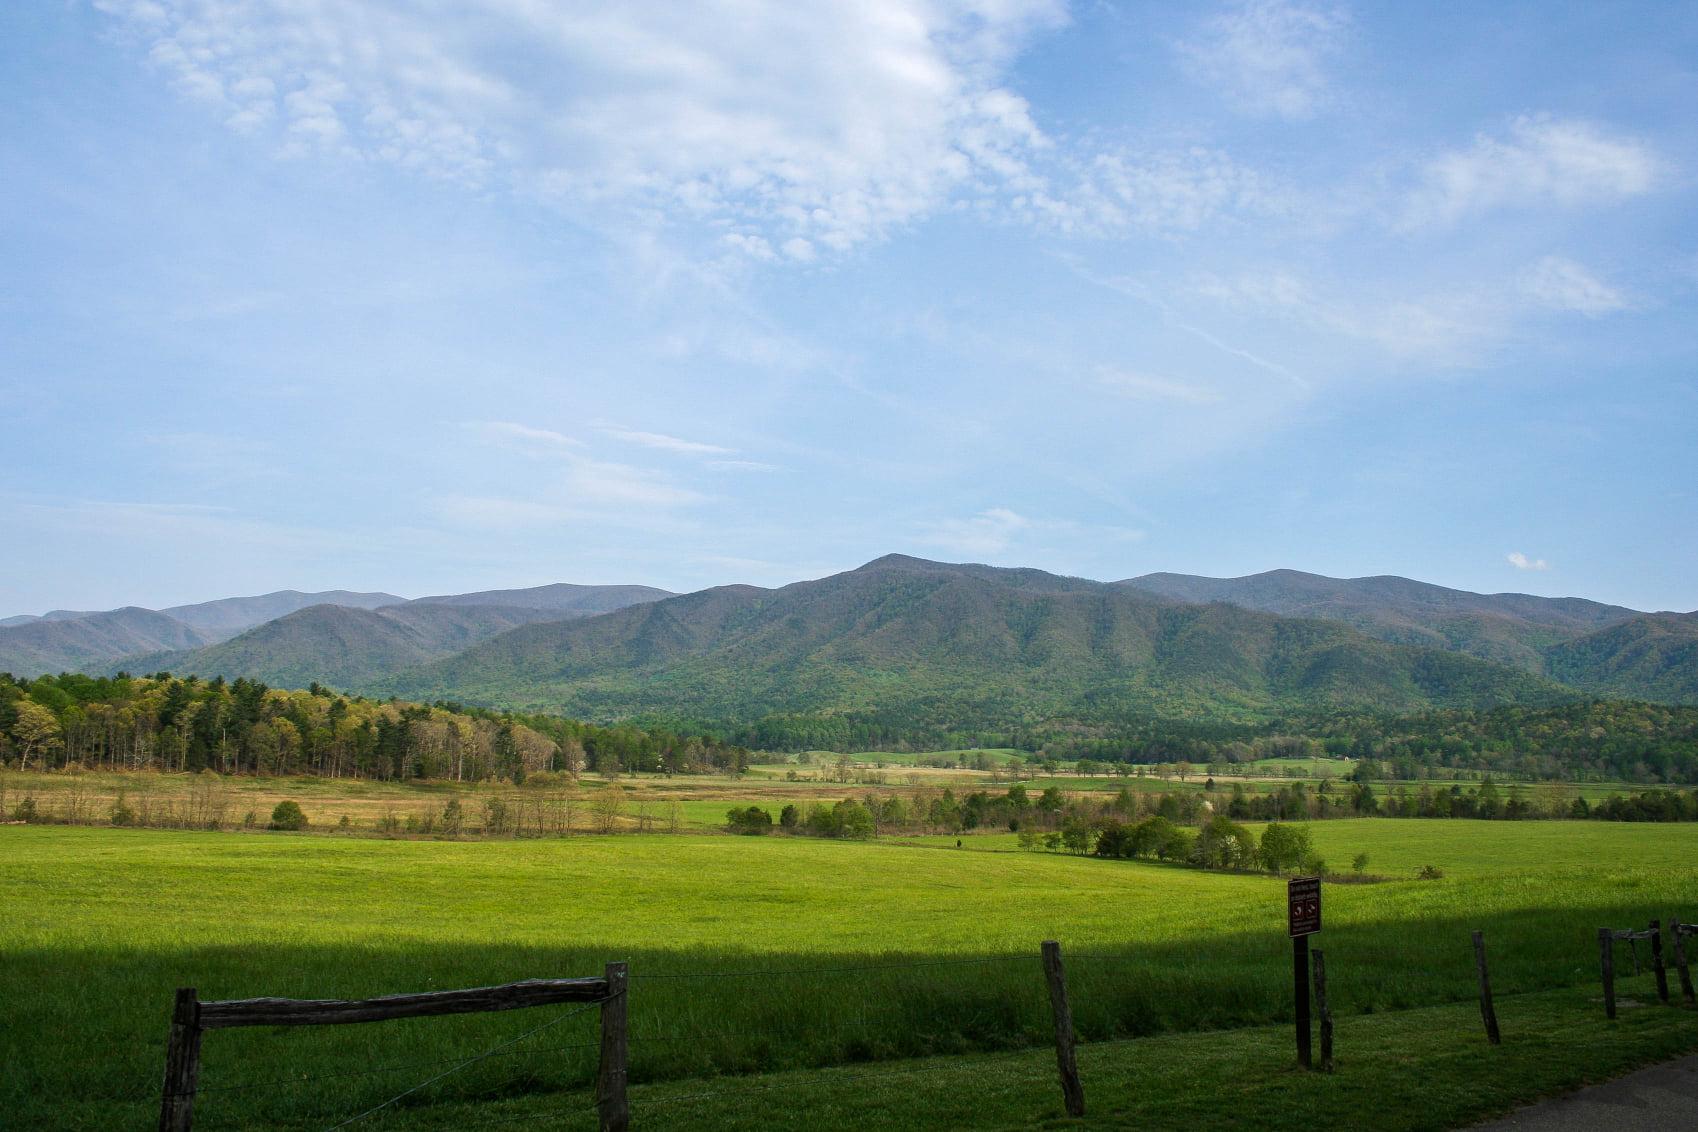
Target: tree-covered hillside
<point>930,648</point>
<point>244,727</point>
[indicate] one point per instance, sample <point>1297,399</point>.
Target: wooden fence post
<point>1657,960</point>
<point>1323,1009</point>
<point>1679,930</point>
<point>1606,959</point>
<point>1072,1092</point>
<point>610,1081</point>
<point>1487,1014</point>
<point>182,1064</point>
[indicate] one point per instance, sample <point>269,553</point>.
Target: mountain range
<point>960,645</point>
<point>291,638</point>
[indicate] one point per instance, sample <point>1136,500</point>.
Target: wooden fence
<point>191,1018</point>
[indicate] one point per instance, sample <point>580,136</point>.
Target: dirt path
<point>1663,1097</point>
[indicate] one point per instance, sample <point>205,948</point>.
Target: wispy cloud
<point>511,434</point>
<point>1541,161</point>
<point>1268,57</point>
<point>794,127</point>
<point>1561,284</point>
<point>1521,562</point>
<point>1116,192</point>
<point>664,442</point>
<point>585,482</point>
<point>742,465</point>
<point>988,532</point>
<point>1145,387</point>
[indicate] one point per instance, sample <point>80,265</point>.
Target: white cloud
<point>988,532</point>
<point>664,442</point>
<point>1145,387</point>
<point>1521,562</point>
<point>1268,57</point>
<point>1542,161</point>
<point>742,466</point>
<point>791,126</point>
<point>1564,285</point>
<point>1120,192</point>
<point>512,435</point>
<point>586,481</point>
<point>1445,328</point>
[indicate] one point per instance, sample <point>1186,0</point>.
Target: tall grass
<point>798,952</point>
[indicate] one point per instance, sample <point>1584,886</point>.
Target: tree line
<point>1594,740</point>
<point>162,722</point>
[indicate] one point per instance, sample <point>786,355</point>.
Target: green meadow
<point>761,956</point>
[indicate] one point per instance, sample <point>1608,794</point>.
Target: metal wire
<point>837,970</point>
<point>473,1061</point>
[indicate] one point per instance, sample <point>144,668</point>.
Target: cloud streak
<point>1268,58</point>
<point>1521,562</point>
<point>793,127</point>
<point>1541,161</point>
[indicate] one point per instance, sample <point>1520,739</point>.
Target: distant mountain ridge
<point>89,643</point>
<point>563,597</point>
<point>1507,628</point>
<point>1606,649</point>
<point>134,639</point>
<point>342,646</point>
<point>963,642</point>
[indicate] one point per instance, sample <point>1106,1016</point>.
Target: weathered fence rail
<point>191,1017</point>
<point>1679,932</point>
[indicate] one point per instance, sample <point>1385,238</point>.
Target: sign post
<point>1303,913</point>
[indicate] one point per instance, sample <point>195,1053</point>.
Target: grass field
<point>780,932</point>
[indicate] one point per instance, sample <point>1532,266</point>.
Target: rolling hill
<point>224,618</point>
<point>89,643</point>
<point>1506,628</point>
<point>561,597</point>
<point>973,644</point>
<point>340,646</point>
<point>1652,657</point>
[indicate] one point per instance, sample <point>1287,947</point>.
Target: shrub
<point>1429,872</point>
<point>1286,846</point>
<point>121,812</point>
<point>789,817</point>
<point>853,820</point>
<point>753,821</point>
<point>288,815</point>
<point>1359,865</point>
<point>26,810</point>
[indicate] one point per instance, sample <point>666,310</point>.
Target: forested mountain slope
<point>89,643</point>
<point>340,646</point>
<point>224,618</point>
<point>563,597</point>
<point>1653,657</point>
<point>945,642</point>
<point>1507,628</point>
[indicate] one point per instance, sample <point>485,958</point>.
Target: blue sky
<point>307,294</point>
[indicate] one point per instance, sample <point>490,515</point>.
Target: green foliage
<point>245,727</point>
<point>749,820</point>
<point>287,815</point>
<point>1285,847</point>
<point>332,917</point>
<point>919,652</point>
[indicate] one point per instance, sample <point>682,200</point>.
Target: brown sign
<point>1303,905</point>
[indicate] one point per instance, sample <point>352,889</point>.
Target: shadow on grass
<point>85,1029</point>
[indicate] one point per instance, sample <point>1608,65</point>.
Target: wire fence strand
<point>486,1055</point>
